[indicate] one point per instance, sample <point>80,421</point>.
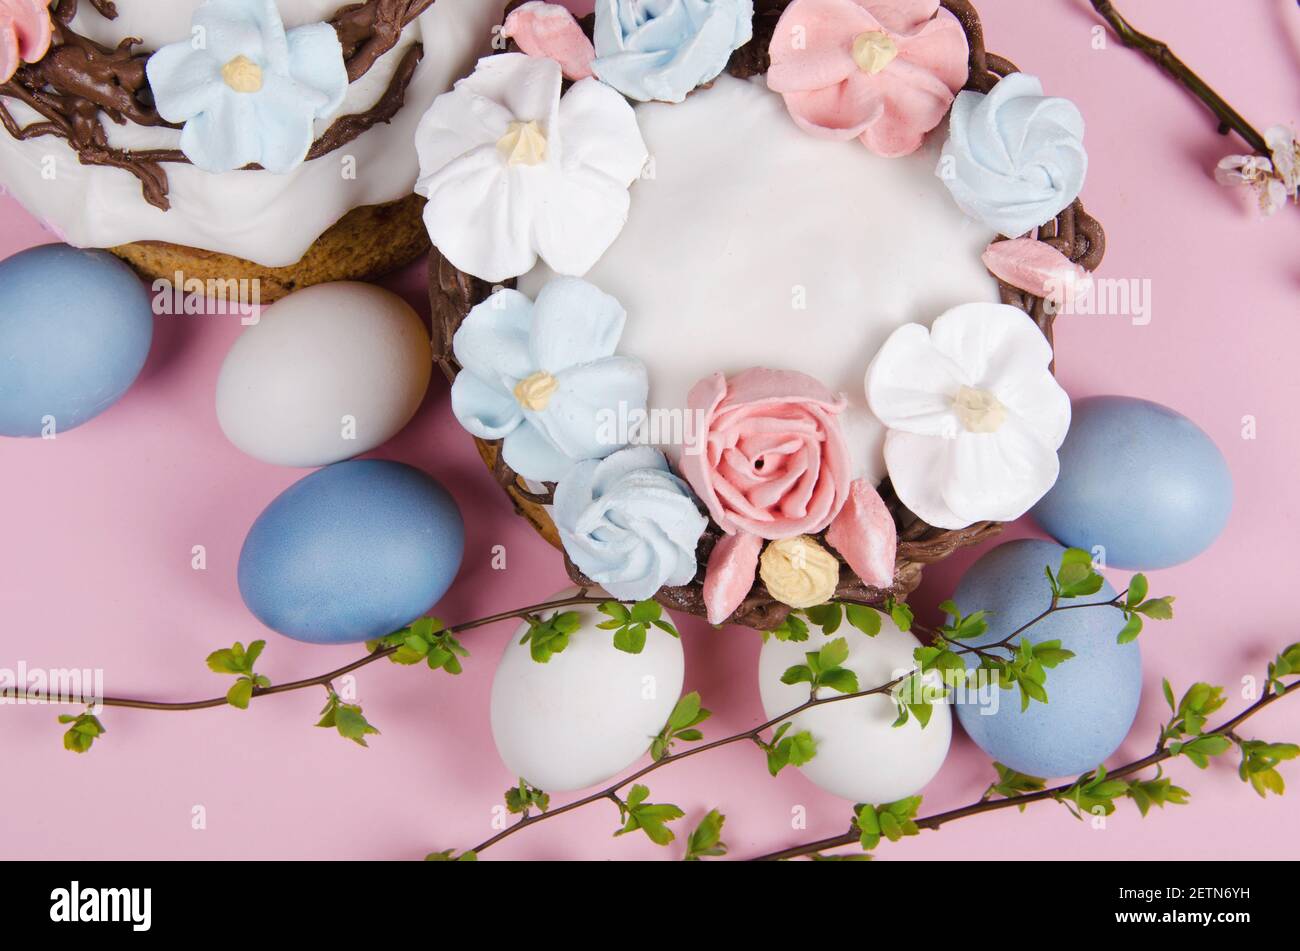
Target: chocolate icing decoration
<point>78,79</point>
<point>1073,232</point>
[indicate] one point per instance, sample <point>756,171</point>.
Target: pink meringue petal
<point>729,576</point>
<point>843,111</point>
<point>902,16</point>
<point>758,384</point>
<point>550,30</point>
<point>812,46</point>
<point>1036,267</point>
<point>31,21</point>
<point>9,58</point>
<point>915,101</point>
<point>941,49</point>
<point>865,535</point>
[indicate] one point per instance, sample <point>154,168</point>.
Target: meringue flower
<point>248,92</point>
<point>1014,158</point>
<point>662,49</point>
<point>799,572</point>
<point>628,523</point>
<point>538,374</point>
<point>974,415</point>
<point>882,71</point>
<point>513,171</point>
<point>25,33</point>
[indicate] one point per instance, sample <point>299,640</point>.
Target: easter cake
<point>245,139</point>
<point>748,303</point>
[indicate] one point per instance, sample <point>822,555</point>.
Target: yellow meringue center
<point>242,74</point>
<point>534,392</point>
<point>979,410</point>
<point>523,144</point>
<point>799,572</point>
<point>873,51</point>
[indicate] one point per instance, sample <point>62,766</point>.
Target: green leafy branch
<point>425,639</point>
<point>824,668</point>
<point>1096,793</point>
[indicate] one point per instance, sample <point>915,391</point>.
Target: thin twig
<point>1159,52</point>
<point>321,680</point>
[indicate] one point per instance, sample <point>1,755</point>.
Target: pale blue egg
<point>1140,480</point>
<point>75,329</point>
<point>1092,698</point>
<point>352,552</point>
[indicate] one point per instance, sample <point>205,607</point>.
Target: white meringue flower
<point>974,415</point>
<point>513,171</point>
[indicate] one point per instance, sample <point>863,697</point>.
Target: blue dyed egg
<point>352,552</point>
<point>1141,481</point>
<point>1092,698</point>
<point>75,329</point>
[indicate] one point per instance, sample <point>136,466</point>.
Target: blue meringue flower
<point>542,376</point>
<point>662,49</point>
<point>1014,158</point>
<point>247,91</point>
<point>628,523</point>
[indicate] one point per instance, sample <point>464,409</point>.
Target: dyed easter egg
<point>327,373</point>
<point>1092,697</point>
<point>75,329</point>
<point>861,755</point>
<point>1141,481</point>
<point>351,552</point>
<point>589,712</point>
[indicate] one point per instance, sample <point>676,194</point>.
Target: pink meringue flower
<point>25,33</point>
<point>773,461</point>
<point>882,71</point>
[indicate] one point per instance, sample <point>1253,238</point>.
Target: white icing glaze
<point>745,213</point>
<point>270,219</point>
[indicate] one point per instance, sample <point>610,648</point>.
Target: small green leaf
<point>630,639</point>
<point>1158,609</point>
<point>826,616</point>
<point>705,841</point>
<point>1130,631</point>
<point>241,693</point>
<point>865,619</point>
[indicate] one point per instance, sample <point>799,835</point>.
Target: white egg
<point>860,755</point>
<point>328,373</point>
<point>587,714</point>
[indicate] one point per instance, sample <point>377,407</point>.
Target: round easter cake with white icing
<point>749,304</point>
<point>224,138</point>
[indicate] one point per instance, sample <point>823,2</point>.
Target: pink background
<point>98,526</point>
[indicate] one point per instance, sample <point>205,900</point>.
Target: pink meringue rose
<point>25,33</point>
<point>772,461</point>
<point>550,30</point>
<point>882,71</point>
